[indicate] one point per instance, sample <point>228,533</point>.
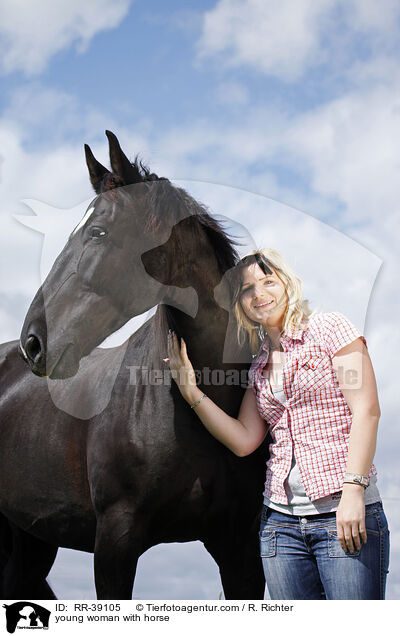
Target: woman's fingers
<point>172,347</point>
<point>348,539</point>
<point>344,537</point>
<point>177,353</point>
<point>184,352</point>
<point>179,363</point>
<point>173,341</point>
<point>363,533</point>
<point>340,536</point>
<point>355,533</point>
<point>175,349</point>
<point>351,536</point>
<point>350,521</point>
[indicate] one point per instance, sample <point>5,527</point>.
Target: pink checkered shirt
<point>315,420</point>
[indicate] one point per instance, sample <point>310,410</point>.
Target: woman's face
<point>263,296</point>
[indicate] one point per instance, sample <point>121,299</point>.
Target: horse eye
<point>97,233</point>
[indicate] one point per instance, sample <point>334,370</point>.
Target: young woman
<point>323,532</point>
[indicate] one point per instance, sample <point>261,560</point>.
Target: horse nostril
<point>33,348</point>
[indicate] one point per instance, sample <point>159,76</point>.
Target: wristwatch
<point>351,478</point>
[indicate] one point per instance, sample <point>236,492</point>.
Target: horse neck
<point>191,309</point>
<point>205,331</point>
<point>205,336</point>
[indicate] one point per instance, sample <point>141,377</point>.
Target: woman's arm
<point>357,382</point>
<point>242,435</point>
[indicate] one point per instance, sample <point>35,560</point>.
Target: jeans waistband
<point>277,515</point>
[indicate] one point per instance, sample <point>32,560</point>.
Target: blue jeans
<point>303,559</point>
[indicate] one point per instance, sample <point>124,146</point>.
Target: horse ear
<point>96,170</point>
<point>120,163</point>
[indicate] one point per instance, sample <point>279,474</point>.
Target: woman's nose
<point>258,293</point>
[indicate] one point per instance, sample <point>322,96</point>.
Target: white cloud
<point>372,17</point>
<point>233,94</point>
<point>350,151</point>
<point>284,39</point>
<point>32,32</point>
<point>278,38</point>
<point>344,151</point>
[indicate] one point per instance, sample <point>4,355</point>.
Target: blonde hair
<point>297,310</point>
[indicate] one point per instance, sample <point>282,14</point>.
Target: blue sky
<point>295,103</point>
<point>128,70</point>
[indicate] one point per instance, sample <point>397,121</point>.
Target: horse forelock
<point>140,174</point>
<point>110,181</point>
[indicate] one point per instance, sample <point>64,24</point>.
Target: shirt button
<point>303,521</point>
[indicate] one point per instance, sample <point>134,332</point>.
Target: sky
<point>282,116</point>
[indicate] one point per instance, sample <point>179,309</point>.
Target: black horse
<point>141,469</point>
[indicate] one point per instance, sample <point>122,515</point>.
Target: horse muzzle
<point>62,364</point>
<point>32,348</point>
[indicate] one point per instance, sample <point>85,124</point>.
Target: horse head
<point>122,259</point>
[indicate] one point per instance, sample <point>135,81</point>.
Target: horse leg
<point>239,563</point>
<point>117,550</point>
<point>28,565</point>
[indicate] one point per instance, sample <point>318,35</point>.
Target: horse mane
<point>144,171</point>
<point>168,204</point>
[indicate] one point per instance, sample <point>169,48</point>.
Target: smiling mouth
<point>263,305</point>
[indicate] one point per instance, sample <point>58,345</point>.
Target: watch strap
<point>352,478</point>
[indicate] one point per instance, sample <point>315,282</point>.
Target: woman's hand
<point>350,518</point>
<point>180,365</point>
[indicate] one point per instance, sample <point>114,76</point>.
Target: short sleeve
<point>339,332</point>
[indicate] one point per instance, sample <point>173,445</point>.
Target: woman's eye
<point>97,232</point>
